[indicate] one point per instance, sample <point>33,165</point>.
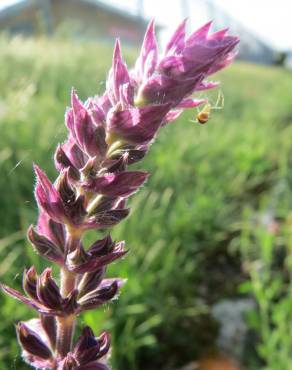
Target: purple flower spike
<point>107,134</point>
<point>186,63</point>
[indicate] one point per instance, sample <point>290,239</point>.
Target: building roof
<point>11,10</point>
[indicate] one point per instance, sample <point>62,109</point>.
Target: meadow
<point>213,222</point>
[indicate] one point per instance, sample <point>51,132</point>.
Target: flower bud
<point>48,198</point>
<point>29,282</point>
<point>76,156</point>
<point>76,210</point>
<point>102,203</point>
<point>90,281</point>
<point>89,136</point>
<point>47,290</point>
<point>65,189</point>
<point>45,247</point>
<point>101,253</point>
<point>103,220</point>
<point>32,343</point>
<point>54,231</point>
<point>121,184</point>
<point>88,348</point>
<point>62,162</point>
<point>101,295</point>
<point>77,256</point>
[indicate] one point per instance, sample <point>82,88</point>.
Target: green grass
<point>184,230</point>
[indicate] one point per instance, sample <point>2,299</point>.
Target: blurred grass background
<point>213,222</point>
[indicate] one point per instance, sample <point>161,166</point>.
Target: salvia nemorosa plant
<point>107,134</point>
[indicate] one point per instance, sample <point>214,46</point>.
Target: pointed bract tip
<point>151,25</point>
<point>117,55</point>
<point>73,94</point>
<point>36,168</point>
<point>219,34</point>
<point>202,32</point>
<point>75,102</point>
<point>149,38</point>
<point>206,27</point>
<point>117,47</point>
<point>41,176</point>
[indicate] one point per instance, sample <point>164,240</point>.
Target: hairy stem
<point>66,325</point>
<point>65,331</point>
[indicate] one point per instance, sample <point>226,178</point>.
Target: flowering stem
<point>67,282</point>
<point>106,135</point>
<point>65,331</point>
<point>66,325</point>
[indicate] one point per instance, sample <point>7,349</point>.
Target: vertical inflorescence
<point>107,134</point>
